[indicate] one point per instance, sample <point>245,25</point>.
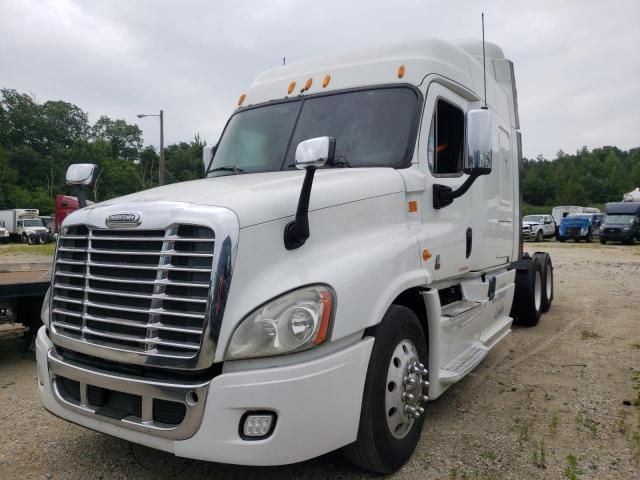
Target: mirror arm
<point>443,195</point>
<point>297,231</point>
<point>82,199</point>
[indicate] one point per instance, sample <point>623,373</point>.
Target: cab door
<point>457,235</point>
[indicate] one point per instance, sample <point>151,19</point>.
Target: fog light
<point>258,425</point>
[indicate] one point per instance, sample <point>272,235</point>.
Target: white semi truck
<point>352,252</point>
<point>24,225</point>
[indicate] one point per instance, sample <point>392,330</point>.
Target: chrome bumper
<point>192,395</point>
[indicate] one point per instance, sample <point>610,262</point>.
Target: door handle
<point>469,241</point>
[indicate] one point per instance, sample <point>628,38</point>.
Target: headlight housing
<point>295,321</point>
<point>626,229</point>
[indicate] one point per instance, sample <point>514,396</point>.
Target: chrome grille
<point>145,291</point>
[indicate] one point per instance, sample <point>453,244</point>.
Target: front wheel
<point>396,385</point>
<point>603,241</point>
<point>562,239</point>
<point>588,238</point>
<point>539,236</point>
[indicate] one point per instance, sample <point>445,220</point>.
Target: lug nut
<point>407,396</point>
<point>410,410</point>
<point>421,366</point>
<point>421,410</point>
<point>424,383</point>
<point>424,398</point>
<point>424,371</point>
<point>409,381</point>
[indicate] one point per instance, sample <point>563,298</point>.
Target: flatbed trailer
<point>21,296</point>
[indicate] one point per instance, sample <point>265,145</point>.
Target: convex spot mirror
<point>81,174</point>
<point>207,156</point>
<point>315,152</point>
<point>479,142</point>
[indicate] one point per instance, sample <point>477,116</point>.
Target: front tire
<point>603,241</point>
<point>392,416</point>
<point>539,236</point>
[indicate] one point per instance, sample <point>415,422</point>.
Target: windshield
<point>372,128</point>
<point>533,218</point>
<point>619,219</point>
<point>36,222</point>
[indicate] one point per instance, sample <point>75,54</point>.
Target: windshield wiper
<point>228,168</point>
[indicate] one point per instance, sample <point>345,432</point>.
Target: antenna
<point>484,65</point>
<point>284,60</point>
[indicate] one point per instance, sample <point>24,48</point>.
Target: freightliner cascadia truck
<point>352,251</point>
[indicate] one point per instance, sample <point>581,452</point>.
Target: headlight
<point>584,230</point>
<point>626,229</point>
<point>294,321</point>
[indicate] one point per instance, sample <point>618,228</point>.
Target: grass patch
<point>635,345</point>
<point>588,334</point>
<point>522,428</point>
<point>571,470</point>
<point>539,456</point>
<point>553,424</point>
<point>47,249</point>
<point>636,387</point>
<point>588,423</point>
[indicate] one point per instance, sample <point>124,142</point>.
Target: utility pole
<point>161,169</point>
<point>161,165</point>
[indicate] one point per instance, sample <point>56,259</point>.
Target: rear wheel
<point>562,239</point>
<point>527,301</point>
<point>603,241</point>
<point>547,280</point>
<point>396,385</point>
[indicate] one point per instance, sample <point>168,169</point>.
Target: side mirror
<point>207,156</point>
<point>479,142</point>
<point>315,152</point>
<point>477,161</point>
<point>310,154</point>
<point>81,174</point>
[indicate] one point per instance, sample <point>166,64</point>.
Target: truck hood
<point>530,223</point>
<point>262,197</point>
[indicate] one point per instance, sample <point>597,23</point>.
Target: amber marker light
<point>401,71</point>
<point>292,85</point>
<point>326,80</point>
<point>241,99</point>
<point>327,307</point>
<point>413,206</point>
<point>308,83</point>
<point>426,254</point>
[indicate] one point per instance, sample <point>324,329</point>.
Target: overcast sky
<point>577,62</point>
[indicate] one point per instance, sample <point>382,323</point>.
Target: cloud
<point>576,62</point>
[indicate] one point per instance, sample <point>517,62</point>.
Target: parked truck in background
<point>538,227</point>
<point>352,252</point>
<point>24,225</point>
<point>4,235</point>
<point>621,223</point>
<point>562,211</point>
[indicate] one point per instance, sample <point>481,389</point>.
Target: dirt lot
<point>555,401</point>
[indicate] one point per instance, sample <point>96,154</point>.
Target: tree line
<point>587,178</point>
<point>38,141</point>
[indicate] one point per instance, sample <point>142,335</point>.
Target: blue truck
<point>622,223</point>
<point>580,226</point>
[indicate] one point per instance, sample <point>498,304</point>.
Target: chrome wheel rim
<point>537,291</point>
<point>406,382</point>
<point>549,282</point>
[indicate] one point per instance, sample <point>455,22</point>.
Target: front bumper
<point>317,403</point>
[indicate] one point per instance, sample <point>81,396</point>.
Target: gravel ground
<point>555,401</point>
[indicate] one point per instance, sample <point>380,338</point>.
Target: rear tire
<point>603,241</point>
<point>562,239</point>
<point>547,281</point>
<point>378,448</point>
<point>527,299</point>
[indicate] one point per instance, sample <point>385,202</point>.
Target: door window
<point>446,140</point>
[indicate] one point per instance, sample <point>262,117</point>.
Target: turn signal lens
<point>292,85</point>
<point>326,80</point>
<point>401,71</point>
<point>241,99</point>
<point>413,206</point>
<point>308,83</point>
<point>426,255</point>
